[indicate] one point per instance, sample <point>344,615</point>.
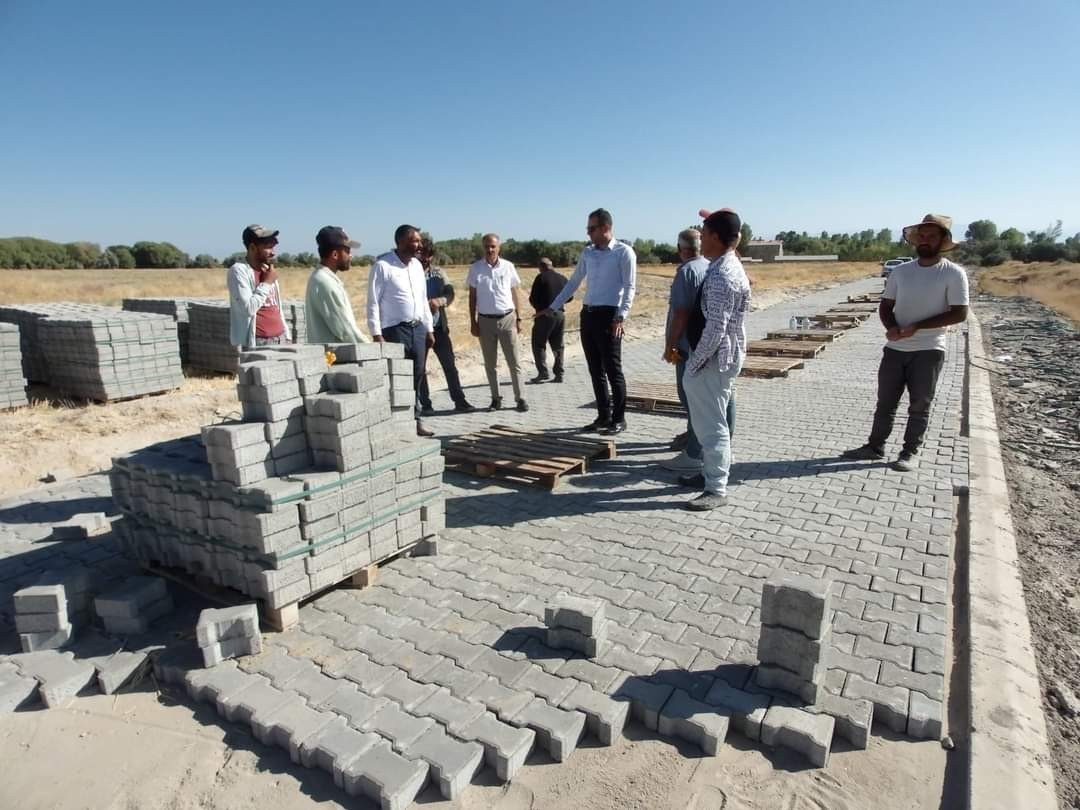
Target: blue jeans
<point>707,394</point>
<point>693,446</point>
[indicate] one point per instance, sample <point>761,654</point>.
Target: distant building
<point>765,250</point>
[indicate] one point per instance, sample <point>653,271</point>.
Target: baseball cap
<point>545,264</point>
<point>332,237</point>
<point>725,223</point>
<point>253,233</point>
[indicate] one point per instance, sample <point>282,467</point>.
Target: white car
<point>888,265</point>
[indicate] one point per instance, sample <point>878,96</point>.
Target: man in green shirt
<point>328,311</point>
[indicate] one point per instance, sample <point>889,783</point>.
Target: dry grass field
<point>1054,285</point>
<point>83,437</point>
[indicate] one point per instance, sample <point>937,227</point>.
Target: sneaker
<point>539,378</point>
<point>680,441</point>
<point>614,429</point>
<point>495,405</point>
<point>427,410</point>
<point>682,463</point>
<point>596,425</point>
<point>695,480</point>
<point>423,431</point>
<point>706,501</point>
<point>522,406</point>
<point>464,407</point>
<point>906,462</point>
<point>864,453</point>
<point>557,378</point>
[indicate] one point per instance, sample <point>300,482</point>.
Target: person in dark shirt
<point>547,329</point>
<point>440,293</point>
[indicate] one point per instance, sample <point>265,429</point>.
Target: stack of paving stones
<point>292,310</point>
<point>209,341</point>
<point>95,352</point>
<point>175,308</point>
<point>320,479</point>
<point>130,609</point>
<point>576,623</point>
<point>224,633</point>
<point>12,381</point>
<point>41,617</point>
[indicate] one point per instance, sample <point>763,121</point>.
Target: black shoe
<point>596,425</point>
<point>427,410</point>
<point>522,406</point>
<point>614,428</point>
<point>464,407</point>
<point>539,378</point>
<point>495,405</point>
<point>695,480</point>
<point>557,378</point>
<point>706,501</point>
<point>680,442</point>
<point>423,431</point>
<point>864,453</point>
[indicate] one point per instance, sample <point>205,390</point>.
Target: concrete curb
<point>1009,758</point>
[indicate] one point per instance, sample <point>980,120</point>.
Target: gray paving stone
<point>290,725</point>
<point>747,709</point>
<point>404,691</point>
<point>853,717</point>
<point>16,691</point>
<point>505,747</point>
<point>646,699</point>
<point>581,614</point>
<point>460,681</point>
<point>770,677</point>
<point>257,698</point>
<point>890,702</point>
<point>793,651</point>
<point>398,726</point>
<point>355,706</point>
<point>802,731</point>
<point>604,717</point>
<point>700,723</point>
<point>59,675</point>
<point>931,685</point>
<point>121,669</point>
<point>503,701</point>
<point>367,674</point>
<point>925,717</point>
<point>796,602</point>
<point>334,747</point>
<point>451,712</point>
<point>541,684</point>
<point>385,777</point>
<point>558,731</point>
<point>453,763</point>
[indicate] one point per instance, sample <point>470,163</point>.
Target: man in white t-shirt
<point>922,299</point>
<point>495,317</point>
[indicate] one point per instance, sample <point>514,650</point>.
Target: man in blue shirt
<point>609,269</point>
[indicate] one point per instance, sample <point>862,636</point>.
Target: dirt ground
<point>147,750</point>
<point>1056,285</point>
<point>76,438</point>
<point>1036,386</point>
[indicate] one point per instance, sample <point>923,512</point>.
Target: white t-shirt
<point>921,293</point>
<point>493,285</point>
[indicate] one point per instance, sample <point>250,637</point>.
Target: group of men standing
<point>705,336</point>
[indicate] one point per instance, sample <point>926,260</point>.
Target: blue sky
<point>185,121</point>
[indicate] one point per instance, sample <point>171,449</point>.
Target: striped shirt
<point>725,301</point>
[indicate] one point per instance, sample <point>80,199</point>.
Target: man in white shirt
<point>922,299</point>
<point>397,305</point>
<point>327,308</point>
<point>495,317</point>
<point>609,269</point>
<point>255,317</point>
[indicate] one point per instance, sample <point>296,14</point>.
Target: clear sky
<point>133,119</point>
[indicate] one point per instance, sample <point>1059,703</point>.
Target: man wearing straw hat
<point>922,298</point>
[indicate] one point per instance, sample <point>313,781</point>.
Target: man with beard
<point>397,306</point>
<point>922,299</point>
<point>329,313</point>
<point>440,294</point>
<point>255,317</point>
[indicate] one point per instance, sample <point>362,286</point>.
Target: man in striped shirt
<point>717,336</point>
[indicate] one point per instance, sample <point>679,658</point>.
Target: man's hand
<point>474,328</point>
<point>672,355</point>
<point>617,328</point>
<point>517,324</point>
<point>429,339</point>
<point>433,304</point>
<point>378,338</point>
<point>271,275</point>
<point>907,331</point>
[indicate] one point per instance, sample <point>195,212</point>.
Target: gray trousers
<point>918,373</point>
<point>496,332</point>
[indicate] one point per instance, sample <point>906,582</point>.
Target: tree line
<point>982,245</point>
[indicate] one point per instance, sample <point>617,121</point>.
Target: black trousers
<point>548,330</point>
<point>444,350</point>
<point>917,372</point>
<point>414,338</point>
<point>603,353</point>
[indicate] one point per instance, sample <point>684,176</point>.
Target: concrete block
<point>398,726</point>
<point>547,686</point>
<point>586,616</point>
<point>232,435</point>
<point>258,698</point>
<point>50,640</point>
<point>453,763</point>
<point>562,638</point>
<point>174,663</point>
<point>794,651</point>
<point>40,599</point>
<point>406,692</point>
<point>291,725</point>
<point>218,651</point>
<point>312,685</point>
<point>646,699</point>
<point>334,747</point>
<point>796,602</point>
<point>558,731</point>
<point>367,674</point>
<point>769,677</point>
<point>129,601</point>
<point>61,677</point>
<point>81,527</point>
<point>802,731</point>
<point>853,717</point>
<point>121,669</point>
<point>385,777</point>
<point>453,713</point>
<point>217,685</point>
<point>700,723</point>
<point>747,709</point>
<point>218,624</point>
<point>505,747</point>
<point>16,691</point>
<point>924,717</point>
<point>355,706</point>
<point>503,701</point>
<point>42,623</point>
<point>604,717</point>
<point>890,702</point>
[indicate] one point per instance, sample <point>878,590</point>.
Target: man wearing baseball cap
<point>329,313</point>
<point>254,295</point>
<point>922,299</point>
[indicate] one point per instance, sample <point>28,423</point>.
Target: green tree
<point>107,260</point>
<point>747,234</point>
<point>123,255</point>
<point>204,261</point>
<point>82,254</point>
<point>158,255</point>
<point>306,259</point>
<point>981,230</point>
<point>1013,238</point>
<point>232,259</point>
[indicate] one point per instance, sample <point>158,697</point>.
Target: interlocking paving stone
<point>453,763</point>
<point>809,734</point>
<point>505,747</point>
<point>696,722</point>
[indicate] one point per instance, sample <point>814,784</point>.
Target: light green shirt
<point>328,311</point>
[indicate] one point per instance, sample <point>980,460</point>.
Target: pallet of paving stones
<point>175,308</point>
<point>864,298</point>
<point>654,397</point>
<point>785,348</point>
<point>819,335</point>
<point>769,367</point>
<point>837,320</point>
<point>209,343</point>
<point>323,477</point>
<point>854,310</point>
<point>95,352</point>
<point>538,458</point>
<point>12,382</point>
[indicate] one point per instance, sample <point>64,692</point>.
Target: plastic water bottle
<point>793,323</point>
<point>805,323</point>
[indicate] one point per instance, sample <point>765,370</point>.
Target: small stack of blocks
<point>175,308</point>
<point>12,382</point>
<point>209,341</point>
<point>41,617</point>
<point>82,526</point>
<point>230,632</point>
<point>795,635</point>
<point>130,609</point>
<point>576,623</point>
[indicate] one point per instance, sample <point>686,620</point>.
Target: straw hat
<point>942,221</point>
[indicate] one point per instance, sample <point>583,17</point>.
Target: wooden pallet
<point>836,320</point>
<point>865,298</point>
<point>863,310</point>
<point>539,458</point>
<point>819,335</point>
<point>785,348</point>
<point>769,366</point>
<point>655,397</point>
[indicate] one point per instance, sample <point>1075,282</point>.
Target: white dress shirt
<point>397,293</point>
<point>493,285</point>
<point>610,276</point>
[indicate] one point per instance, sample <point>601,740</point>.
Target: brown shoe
<point>423,431</point>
